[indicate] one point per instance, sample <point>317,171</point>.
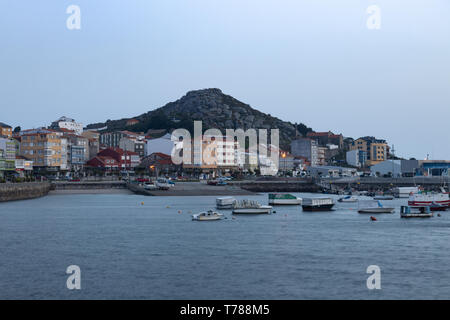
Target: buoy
<point>372,218</point>
<point>274,211</point>
<point>439,214</point>
<point>142,203</point>
<point>179,211</point>
<point>167,206</point>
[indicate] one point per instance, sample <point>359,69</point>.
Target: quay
<point>192,189</point>
<point>383,184</point>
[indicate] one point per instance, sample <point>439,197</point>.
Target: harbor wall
<point>279,186</point>
<point>386,184</point>
<point>23,191</point>
<point>91,185</point>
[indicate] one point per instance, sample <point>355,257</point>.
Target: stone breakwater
<point>23,191</point>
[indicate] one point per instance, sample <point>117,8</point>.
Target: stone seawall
<point>89,185</point>
<point>23,191</point>
<point>279,186</point>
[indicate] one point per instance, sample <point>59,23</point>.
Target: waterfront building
<point>7,156</point>
<point>133,143</point>
<point>111,139</point>
<point>159,163</point>
<point>126,140</point>
<point>44,148</point>
<point>93,139</point>
<point>67,123</point>
<point>214,152</point>
<point>376,150</point>
<point>356,158</point>
<point>126,160</point>
<point>23,166</point>
<point>286,162</point>
<point>103,162</point>
<point>322,153</point>
<point>5,130</point>
<point>391,168</point>
<point>432,168</point>
<point>306,148</point>
<point>331,172</point>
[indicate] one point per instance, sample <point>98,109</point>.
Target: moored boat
<point>250,207</point>
<point>429,199</point>
<point>150,186</point>
<point>415,212</point>
<point>383,198</point>
<point>283,199</point>
<point>225,202</point>
<point>348,199</point>
<point>374,207</point>
<point>207,216</point>
<point>317,204</point>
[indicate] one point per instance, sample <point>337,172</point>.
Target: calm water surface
<point>131,251</point>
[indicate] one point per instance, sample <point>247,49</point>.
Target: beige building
<point>43,147</point>
<point>376,150</point>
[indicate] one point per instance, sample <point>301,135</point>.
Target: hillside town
<point>66,150</point>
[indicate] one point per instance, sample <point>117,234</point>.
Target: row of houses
<point>65,147</point>
<point>322,148</point>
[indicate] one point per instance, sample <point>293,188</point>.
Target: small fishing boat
<point>374,207</point>
<point>415,212</point>
<point>250,207</point>
<point>348,199</point>
<point>207,216</point>
<point>225,203</point>
<point>317,204</point>
<point>383,198</point>
<point>283,199</point>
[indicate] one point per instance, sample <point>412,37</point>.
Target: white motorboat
<point>225,203</point>
<point>283,199</point>
<point>150,186</point>
<point>209,215</point>
<point>348,199</point>
<point>250,207</point>
<point>373,207</point>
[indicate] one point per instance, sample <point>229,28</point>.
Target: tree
<point>17,129</point>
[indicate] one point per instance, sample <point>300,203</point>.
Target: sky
<point>309,61</point>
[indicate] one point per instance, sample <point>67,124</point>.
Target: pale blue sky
<point>307,61</point>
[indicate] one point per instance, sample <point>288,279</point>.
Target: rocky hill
<point>215,109</point>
